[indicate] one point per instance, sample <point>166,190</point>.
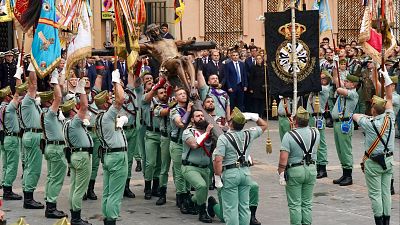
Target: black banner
<point>278,44</point>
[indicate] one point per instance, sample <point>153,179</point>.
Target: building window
<point>156,12</point>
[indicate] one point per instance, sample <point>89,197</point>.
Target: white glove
<point>282,180</point>
<point>19,72</point>
<point>116,77</point>
<point>218,182</point>
<point>336,58</point>
<point>54,77</point>
<point>386,77</point>
<point>61,116</point>
<point>80,88</point>
<point>121,121</point>
<point>251,116</point>
<point>86,122</point>
<point>31,68</point>
<point>37,100</point>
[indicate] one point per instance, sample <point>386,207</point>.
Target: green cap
<point>68,105</point>
<point>46,96</point>
<point>395,79</point>
<point>342,61</point>
<point>22,87</point>
<point>352,78</point>
<point>5,92</point>
<point>101,98</point>
<point>302,113</point>
<point>237,116</point>
<point>376,100</point>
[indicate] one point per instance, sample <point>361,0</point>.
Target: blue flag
<point>325,20</point>
<point>46,48</point>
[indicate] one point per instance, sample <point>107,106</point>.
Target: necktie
<point>238,72</point>
<point>254,61</point>
<point>216,63</point>
<point>123,67</point>
<point>204,60</point>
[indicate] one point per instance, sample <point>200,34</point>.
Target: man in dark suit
<point>214,66</point>
<point>108,68</point>
<point>91,71</point>
<point>123,70</point>
<point>236,81</point>
<point>250,62</point>
<point>165,34</point>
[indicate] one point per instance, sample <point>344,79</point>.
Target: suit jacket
<point>92,74</point>
<point>168,36</point>
<point>231,76</point>
<point>123,72</point>
<point>249,64</point>
<point>107,83</point>
<point>210,68</point>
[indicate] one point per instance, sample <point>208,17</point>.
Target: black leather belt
<point>300,164</point>
<point>316,114</point>
<point>157,130</point>
<point>236,165</point>
<point>164,133</point>
<point>12,134</point>
<point>34,130</point>
<point>56,142</point>
<point>343,119</point>
<point>187,163</point>
<point>110,150</point>
<point>82,149</point>
<point>388,154</point>
<point>129,127</point>
<point>176,140</point>
<point>90,128</point>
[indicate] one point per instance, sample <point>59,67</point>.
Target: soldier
<point>284,115</point>
<point>109,128</point>
<point>297,167</point>
<point>8,69</point>
<point>379,147</point>
<point>345,105</point>
<point>53,146</point>
<point>80,146</point>
<point>197,144</point>
<point>317,120</point>
<point>231,161</point>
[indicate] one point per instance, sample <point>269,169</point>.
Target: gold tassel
<point>316,105</point>
<point>21,221</point>
<point>274,108</point>
<point>268,146</point>
<point>62,221</point>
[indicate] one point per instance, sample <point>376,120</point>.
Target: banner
<point>179,7</point>
<point>6,13</point>
<point>325,20</point>
<point>278,42</point>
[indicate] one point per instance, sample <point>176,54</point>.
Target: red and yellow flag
<point>179,7</point>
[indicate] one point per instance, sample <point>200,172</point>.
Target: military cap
<point>352,78</point>
<point>302,113</point>
<point>5,92</point>
<point>326,73</point>
<point>376,100</point>
<point>237,116</point>
<point>68,105</point>
<point>46,96</point>
<point>395,79</point>
<point>101,98</point>
<point>9,53</point>
<point>342,61</point>
<point>22,87</point>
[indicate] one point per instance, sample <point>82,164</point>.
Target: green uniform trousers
<point>299,192</point>
<point>10,160</point>
<point>199,178</point>
<point>3,168</point>
<point>343,146</point>
<point>141,133</point>
<point>153,155</point>
<point>95,156</point>
<point>56,170</point>
<point>165,161</point>
<point>115,169</point>
<point>80,167</point>
<point>33,160</point>
<point>133,150</point>
<point>378,184</point>
<point>176,157</point>
<point>322,154</point>
<point>284,126</point>
<point>235,196</point>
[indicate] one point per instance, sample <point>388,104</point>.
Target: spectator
<point>123,70</point>
<point>214,66</point>
<point>353,44</point>
<point>165,33</point>
<point>236,81</point>
<point>7,71</point>
<point>257,86</point>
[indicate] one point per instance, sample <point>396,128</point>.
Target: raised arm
<point>83,99</point>
<point>118,90</point>
<point>57,91</point>
<point>32,81</point>
<point>201,82</point>
<point>152,92</point>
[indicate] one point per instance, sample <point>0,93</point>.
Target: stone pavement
<point>333,205</point>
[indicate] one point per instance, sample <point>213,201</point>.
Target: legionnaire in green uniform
<point>80,146</point>
<point>231,161</point>
<point>179,117</point>
<point>297,168</point>
<point>109,128</point>
<point>53,143</point>
<point>284,115</point>
<point>152,142</point>
<point>378,158</point>
<point>317,120</point>
<point>345,105</point>
<point>161,111</point>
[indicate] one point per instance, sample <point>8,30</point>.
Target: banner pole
<point>294,56</point>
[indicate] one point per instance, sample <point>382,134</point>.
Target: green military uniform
<point>236,176</point>
<point>220,97</point>
<point>301,175</point>
<point>141,127</point>
<point>115,165</point>
<point>284,108</point>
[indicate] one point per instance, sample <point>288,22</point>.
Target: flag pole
<point>382,27</point>
<point>294,56</point>
<point>180,29</point>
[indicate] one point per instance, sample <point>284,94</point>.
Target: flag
<point>46,48</point>
<point>179,7</point>
<point>81,45</point>
<point>6,14</point>
<point>325,20</point>
<point>140,12</point>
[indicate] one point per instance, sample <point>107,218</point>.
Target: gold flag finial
<point>316,105</point>
<point>268,146</point>
<point>274,108</point>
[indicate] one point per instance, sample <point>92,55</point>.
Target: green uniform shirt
<point>114,137</point>
<point>139,91</point>
<point>396,102</point>
<point>197,156</point>
<point>323,99</point>
<point>11,123</point>
<point>30,113</point>
<point>130,106</point>
<point>93,110</point>
<point>296,154</point>
<point>343,74</point>
<point>220,97</point>
<point>370,134</point>
<point>78,136</point>
<point>351,102</point>
<point>281,107</point>
<point>176,112</point>
<point>53,126</point>
<point>165,125</point>
<point>225,148</point>
<point>148,110</point>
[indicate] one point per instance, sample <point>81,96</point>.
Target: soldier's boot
<point>109,222</point>
<point>378,220</point>
<point>184,208</point>
<point>212,184</point>
<point>76,218</point>
<point>147,189</point>
<point>163,196</point>
<point>348,179</point>
<point>8,194</point>
<point>30,203</point>
<point>178,200</point>
<point>52,212</point>
<point>392,187</point>
<point>253,219</point>
<point>203,216</point>
<point>192,207</point>
<point>127,192</point>
<point>155,189</point>
<point>386,220</point>
<point>138,166</point>
<point>337,181</point>
<point>90,191</point>
<point>322,171</point>
<point>210,207</point>
<point>69,172</point>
